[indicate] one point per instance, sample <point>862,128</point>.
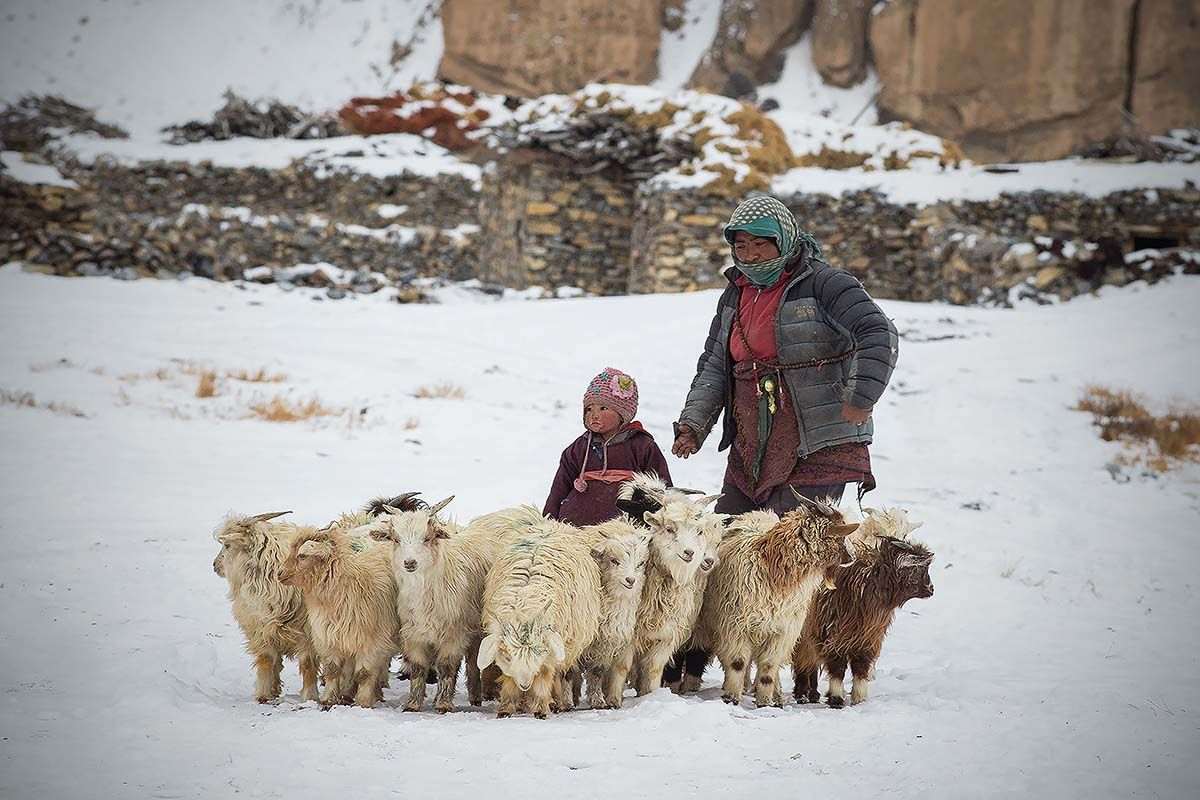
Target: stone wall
<point>543,224</point>
<point>1061,245</point>
<point>159,219</point>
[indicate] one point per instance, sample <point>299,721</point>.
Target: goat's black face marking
<point>737,664</point>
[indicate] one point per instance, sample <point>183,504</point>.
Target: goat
<point>350,594</point>
<point>271,615</point>
<point>758,596</point>
<point>847,625</point>
<point>669,606</point>
<point>541,609</point>
<point>440,572</point>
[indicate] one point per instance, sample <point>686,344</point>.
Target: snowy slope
<point>148,63</point>
<point>1057,658</point>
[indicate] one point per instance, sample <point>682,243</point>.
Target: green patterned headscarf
<point>765,216</point>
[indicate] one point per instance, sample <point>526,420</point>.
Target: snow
<point>925,184</point>
<point>1058,656</point>
<point>148,64</point>
<point>680,51</point>
<point>800,89</point>
<point>14,165</point>
<point>380,156</point>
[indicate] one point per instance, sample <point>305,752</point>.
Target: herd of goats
<point>536,606</point>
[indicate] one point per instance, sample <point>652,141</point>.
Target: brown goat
<point>847,625</point>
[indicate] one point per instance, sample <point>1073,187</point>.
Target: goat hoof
<point>733,701</point>
<point>443,709</point>
<point>837,702</point>
<point>503,714</point>
<point>540,715</point>
<point>411,707</point>
<point>801,698</point>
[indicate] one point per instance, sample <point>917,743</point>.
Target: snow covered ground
<point>1058,656</point>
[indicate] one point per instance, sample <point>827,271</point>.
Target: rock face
<point>528,48</point>
<point>839,32</point>
<point>748,48</point>
<point>1006,78</point>
<point>1166,88</point>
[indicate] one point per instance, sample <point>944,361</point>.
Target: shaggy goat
<point>440,573</point>
<point>758,596</point>
<point>350,595</point>
<point>848,623</point>
<point>271,615</point>
<point>669,605</point>
<point>621,551</point>
<point>541,610</point>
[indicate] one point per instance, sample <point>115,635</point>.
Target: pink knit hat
<point>615,389</point>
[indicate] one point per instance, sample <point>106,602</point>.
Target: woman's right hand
<point>685,442</point>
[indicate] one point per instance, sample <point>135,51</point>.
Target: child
<point>613,447</point>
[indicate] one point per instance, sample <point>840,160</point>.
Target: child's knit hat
<point>616,390</point>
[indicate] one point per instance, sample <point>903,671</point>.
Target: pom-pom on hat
<point>615,389</point>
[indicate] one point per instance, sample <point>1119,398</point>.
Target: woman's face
<point>751,249</point>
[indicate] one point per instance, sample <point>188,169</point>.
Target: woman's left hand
<point>856,415</point>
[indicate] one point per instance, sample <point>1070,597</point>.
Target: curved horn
<point>815,505</point>
<point>268,516</point>
<point>433,511</point>
<point>685,490</point>
<point>708,498</point>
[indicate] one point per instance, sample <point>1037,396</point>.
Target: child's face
<point>600,419</point>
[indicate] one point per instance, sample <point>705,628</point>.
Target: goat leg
<point>447,672</point>
<point>836,667</point>
<point>860,667</point>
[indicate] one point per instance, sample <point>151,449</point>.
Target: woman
<point>797,356</point>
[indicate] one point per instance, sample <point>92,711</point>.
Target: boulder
<point>1007,79</point>
<point>529,48</point>
<point>748,48</point>
<point>839,34</point>
<point>1166,88</point>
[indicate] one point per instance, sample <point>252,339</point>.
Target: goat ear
<point>379,534</point>
<point>651,517</point>
<point>441,534</point>
<point>708,498</point>
<point>597,553</point>
<point>487,651</point>
<point>554,640</point>
<point>390,509</point>
<point>843,530</point>
<point>915,525</point>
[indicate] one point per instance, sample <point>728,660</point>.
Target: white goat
<point>621,551</point>
<point>669,604</point>
<point>350,594</point>
<point>759,593</point>
<point>272,616</point>
<point>440,572</point>
<point>541,609</point>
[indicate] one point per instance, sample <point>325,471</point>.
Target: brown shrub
<point>207,385</point>
<point>446,391</point>
<point>281,409</point>
<point>27,400</point>
<point>259,376</point>
<point>1123,416</point>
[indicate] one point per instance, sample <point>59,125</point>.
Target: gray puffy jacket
<point>824,312</point>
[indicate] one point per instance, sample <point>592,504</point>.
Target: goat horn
<point>849,545</point>
<point>433,511</point>
<point>685,490</point>
<point>270,515</point>
<point>816,505</point>
<point>708,498</point>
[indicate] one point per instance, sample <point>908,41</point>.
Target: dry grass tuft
<point>207,385</point>
<point>160,374</point>
<point>1122,416</point>
<point>446,391</point>
<point>259,376</point>
<point>281,409</point>
<point>27,400</point>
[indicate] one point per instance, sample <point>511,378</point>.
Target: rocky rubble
<point>258,119</point>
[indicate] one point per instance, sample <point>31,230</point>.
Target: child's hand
<point>856,415</point>
<point>685,443</point>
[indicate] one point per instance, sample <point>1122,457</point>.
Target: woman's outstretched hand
<point>851,414</point>
<point>685,442</point>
